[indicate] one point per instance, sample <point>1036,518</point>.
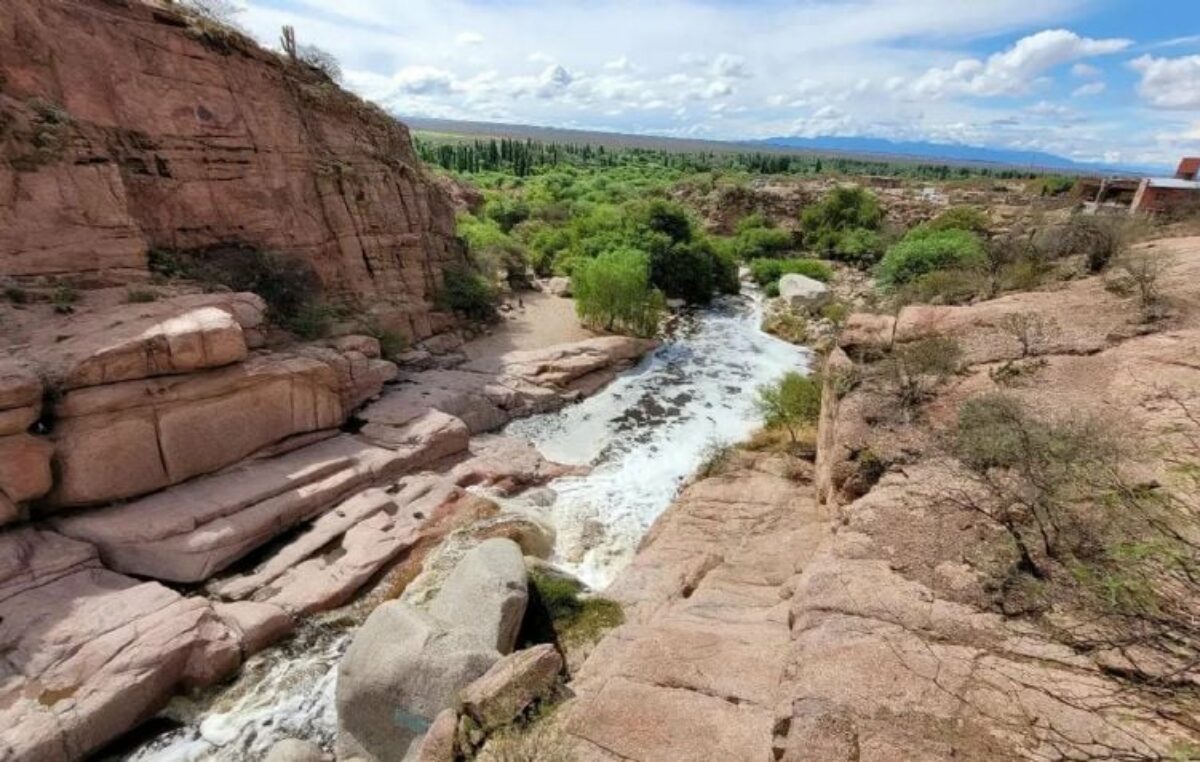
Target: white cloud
<point>618,64</point>
<point>422,80</point>
<point>1085,71</point>
<point>730,67</point>
<point>1013,72</point>
<point>1088,90</point>
<point>1169,83</point>
<point>469,38</point>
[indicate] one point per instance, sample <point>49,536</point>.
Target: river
<point>643,436</point>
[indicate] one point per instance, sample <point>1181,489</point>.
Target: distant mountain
<point>947,152</point>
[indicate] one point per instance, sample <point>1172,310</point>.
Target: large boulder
<point>405,665</point>
<point>88,653</point>
<point>487,593</point>
<point>803,293</point>
<point>24,472</point>
<point>558,286</point>
<point>511,686</point>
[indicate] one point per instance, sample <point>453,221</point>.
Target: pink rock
<point>189,532</point>
<point>25,467</point>
<point>258,625</point>
<point>512,685</point>
<point>89,653</point>
<point>20,397</point>
<point>127,439</point>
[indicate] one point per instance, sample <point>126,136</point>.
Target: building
<point>1165,194</point>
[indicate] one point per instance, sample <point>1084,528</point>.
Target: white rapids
<point>643,436</point>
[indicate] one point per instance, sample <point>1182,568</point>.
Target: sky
<point>1114,81</point>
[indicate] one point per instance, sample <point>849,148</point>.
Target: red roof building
<point>1165,194</point>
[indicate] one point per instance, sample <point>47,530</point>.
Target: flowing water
<point>643,436</point>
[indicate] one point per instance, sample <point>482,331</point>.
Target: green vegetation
<point>915,369</point>
<point>969,218</point>
<point>767,272</point>
<point>63,298</point>
<point>289,286</point>
<point>843,211</point>
<point>613,292</point>
<point>140,296</point>
<point>924,250</point>
<point>469,292</point>
<point>791,403</point>
<point>576,619</point>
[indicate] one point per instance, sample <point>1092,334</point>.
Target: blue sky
<point>1094,80</point>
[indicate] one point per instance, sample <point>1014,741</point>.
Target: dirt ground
<point>537,321</point>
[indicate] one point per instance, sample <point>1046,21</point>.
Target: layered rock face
<point>188,136</point>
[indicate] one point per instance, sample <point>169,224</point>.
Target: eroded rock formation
<point>189,136</point>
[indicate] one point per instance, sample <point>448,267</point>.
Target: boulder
<point>487,592</point>
<point>257,625</point>
<point>402,668</point>
<point>20,397</point>
<point>803,293</point>
<point>295,750</point>
<point>88,653</point>
<point>439,743</point>
<point>558,286</point>
<point>405,665</point>
<point>511,686</point>
<point>24,468</point>
<point>364,345</point>
<point>191,531</point>
<point>127,439</point>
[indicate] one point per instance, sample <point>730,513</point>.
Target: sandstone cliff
<point>126,127</point>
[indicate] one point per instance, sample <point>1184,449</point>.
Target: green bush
<point>493,251</point>
<point>790,403</point>
<point>969,218</point>
<point>758,243</point>
<point>727,278</point>
<point>613,292</point>
<point>767,272</point>
<point>923,251</point>
<point>860,247</point>
<point>842,209</point>
<point>507,212</point>
<point>685,271</point>
<point>469,292</point>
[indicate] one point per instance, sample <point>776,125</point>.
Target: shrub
<point>63,298</point>
<point>321,60</point>
<point>728,280</point>
<point>766,272</point>
<point>1029,470</point>
<point>574,618</point>
<point>842,209</point>
<point>716,459</point>
<point>914,369</point>
<point>16,294</point>
<point>923,251</point>
<point>684,271</point>
<point>790,403</point>
<point>614,292</point>
<point>506,211</point>
<point>494,252</point>
<point>1097,239</point>
<point>860,247</point>
<point>755,243</point>
<point>969,218</point>
<point>1144,268</point>
<point>289,286</point>
<point>469,292</point>
<point>140,296</point>
<point>944,287</point>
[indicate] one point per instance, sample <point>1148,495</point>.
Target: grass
<point>575,619</point>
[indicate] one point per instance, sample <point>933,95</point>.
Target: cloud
<point>1088,90</point>
<point>1169,83</point>
<point>1085,71</point>
<point>469,38</point>
<point>422,80</point>
<point>730,67</point>
<point>1013,71</point>
<point>618,64</point>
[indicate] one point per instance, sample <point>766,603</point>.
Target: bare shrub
<point>1098,239</point>
<point>321,60</point>
<point>1144,268</point>
<point>913,370</point>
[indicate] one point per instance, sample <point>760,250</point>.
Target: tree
<point>613,292</point>
<point>790,403</point>
<point>842,209</point>
<point>321,60</point>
